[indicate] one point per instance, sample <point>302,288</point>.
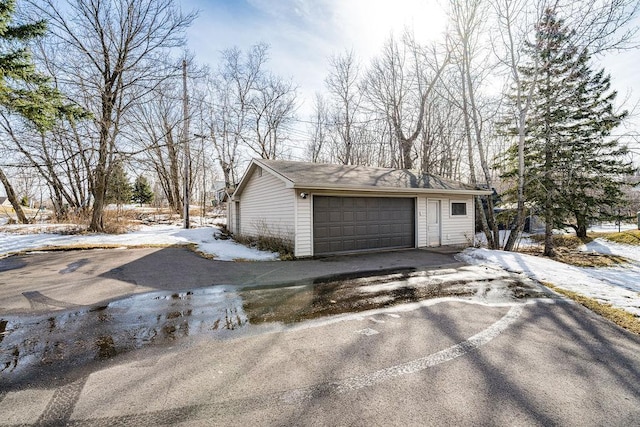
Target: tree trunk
<point>11,195</point>
<point>520,210</point>
<point>581,227</point>
<point>99,193</point>
<point>548,204</point>
<point>405,147</point>
<point>101,173</point>
<point>548,233</point>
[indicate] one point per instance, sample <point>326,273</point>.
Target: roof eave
<point>395,190</point>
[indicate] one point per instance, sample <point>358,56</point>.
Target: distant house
<point>4,202</point>
<point>221,192</point>
<point>331,209</point>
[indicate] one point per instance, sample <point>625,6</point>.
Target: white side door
<point>433,223</point>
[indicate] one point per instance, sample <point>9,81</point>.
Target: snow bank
<point>618,286</point>
<point>604,246</point>
<point>204,238</point>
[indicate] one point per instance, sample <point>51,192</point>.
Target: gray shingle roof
<point>318,175</point>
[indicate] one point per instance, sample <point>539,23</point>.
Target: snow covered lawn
<point>618,286</point>
<point>26,239</point>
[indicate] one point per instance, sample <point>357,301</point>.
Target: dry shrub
<point>197,211</point>
<point>283,246</point>
<point>119,222</point>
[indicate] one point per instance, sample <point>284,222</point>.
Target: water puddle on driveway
<point>33,346</point>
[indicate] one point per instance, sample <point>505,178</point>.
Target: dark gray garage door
<point>350,224</point>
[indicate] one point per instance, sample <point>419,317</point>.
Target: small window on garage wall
<point>259,171</point>
<point>458,208</point>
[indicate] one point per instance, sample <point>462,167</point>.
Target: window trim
<point>461,202</point>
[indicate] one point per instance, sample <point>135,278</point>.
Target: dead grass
<point>566,249</point>
<point>618,316</point>
<point>568,241</point>
<point>629,237</point>
<point>579,258</point>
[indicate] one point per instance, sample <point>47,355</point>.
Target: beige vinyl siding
<point>266,207</point>
<point>231,216</point>
<point>304,219</point>
<point>457,230</point>
<point>421,221</point>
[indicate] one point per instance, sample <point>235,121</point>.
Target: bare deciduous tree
<point>342,85</point>
<point>399,85</point>
<point>272,104</point>
<point>471,60</point>
<point>319,131</point>
<point>114,55</point>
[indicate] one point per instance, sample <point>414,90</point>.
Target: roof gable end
<point>255,164</point>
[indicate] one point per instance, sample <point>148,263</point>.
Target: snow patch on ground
<point>203,237</point>
<point>523,240</point>
<point>604,246</point>
<point>618,286</point>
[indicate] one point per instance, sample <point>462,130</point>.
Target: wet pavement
<point>163,337</point>
<point>41,282</point>
<point>44,347</point>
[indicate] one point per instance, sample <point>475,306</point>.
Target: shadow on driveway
<point>179,268</point>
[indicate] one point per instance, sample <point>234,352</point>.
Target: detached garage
<point>335,209</point>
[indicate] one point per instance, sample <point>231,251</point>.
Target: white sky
<point>303,34</point>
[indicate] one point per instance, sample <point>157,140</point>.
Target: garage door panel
<point>347,224</point>
<point>335,204</point>
<point>335,231</point>
<point>321,202</point>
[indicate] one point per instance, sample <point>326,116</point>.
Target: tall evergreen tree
<point>23,90</point>
<point>593,175</point>
<point>573,168</point>
<point>142,192</point>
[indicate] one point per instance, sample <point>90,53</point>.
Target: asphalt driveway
<point>490,350</point>
<point>63,279</point>
<point>441,363</point>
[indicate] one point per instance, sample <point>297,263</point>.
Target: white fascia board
<point>394,190</point>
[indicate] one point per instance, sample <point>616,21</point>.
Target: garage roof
<point>352,177</point>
